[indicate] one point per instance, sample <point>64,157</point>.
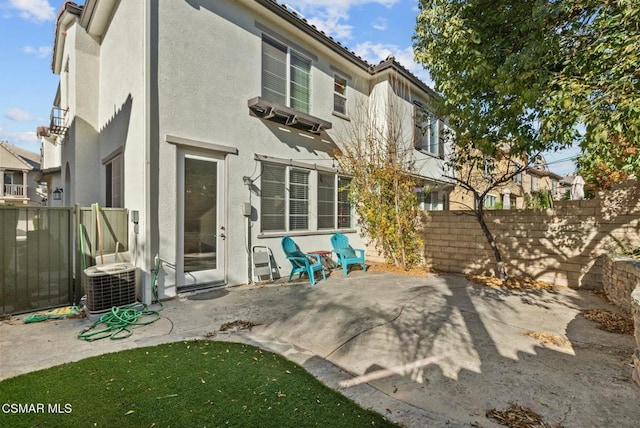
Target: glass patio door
<point>201,231</point>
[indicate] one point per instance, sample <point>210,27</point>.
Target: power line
<point>572,158</point>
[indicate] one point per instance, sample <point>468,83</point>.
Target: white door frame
<point>218,275</point>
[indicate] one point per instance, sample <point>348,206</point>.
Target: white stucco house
<point>215,123</point>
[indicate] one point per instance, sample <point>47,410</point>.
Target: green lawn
<point>185,384</point>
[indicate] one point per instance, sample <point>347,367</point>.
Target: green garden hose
<point>119,320</point>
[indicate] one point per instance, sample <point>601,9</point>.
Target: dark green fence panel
<point>36,265</point>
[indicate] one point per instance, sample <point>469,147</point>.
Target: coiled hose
<point>119,320</point>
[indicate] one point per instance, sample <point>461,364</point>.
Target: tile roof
<point>29,158</point>
<point>301,23</point>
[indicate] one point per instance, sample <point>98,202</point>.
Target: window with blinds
<point>298,199</point>
<point>344,205</point>
<point>285,76</point>
<point>339,94</point>
<point>326,200</point>
<point>286,199</point>
<point>272,198</point>
<point>429,131</point>
<point>274,71</point>
<point>300,84</point>
<point>434,134</point>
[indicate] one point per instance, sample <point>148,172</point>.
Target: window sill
<point>267,235</point>
<point>433,155</point>
<point>341,116</point>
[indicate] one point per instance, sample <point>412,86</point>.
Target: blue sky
<point>372,29</point>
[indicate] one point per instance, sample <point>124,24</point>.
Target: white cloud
<point>18,115</point>
<point>27,140</point>
<point>331,22</point>
<point>40,52</point>
<point>380,24</point>
<point>331,16</point>
<point>33,10</point>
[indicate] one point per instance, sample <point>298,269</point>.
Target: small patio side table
<point>325,257</point>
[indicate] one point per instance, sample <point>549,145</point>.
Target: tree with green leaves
<point>541,74</point>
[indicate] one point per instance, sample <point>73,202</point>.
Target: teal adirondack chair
<point>301,262</point>
<point>347,256</point>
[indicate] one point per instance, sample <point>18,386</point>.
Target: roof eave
<point>66,15</point>
<point>391,64</point>
<point>303,25</point>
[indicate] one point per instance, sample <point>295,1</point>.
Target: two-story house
<point>18,174</point>
<point>216,123</point>
<point>540,178</point>
<point>518,191</point>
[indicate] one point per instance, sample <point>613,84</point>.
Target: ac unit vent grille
<point>110,285</point>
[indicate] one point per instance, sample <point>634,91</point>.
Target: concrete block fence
<point>621,282</point>
<point>563,245</point>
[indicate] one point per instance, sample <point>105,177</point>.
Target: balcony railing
<point>58,125</point>
<point>15,190</point>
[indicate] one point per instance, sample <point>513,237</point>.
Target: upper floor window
<point>429,132</point>
<point>518,177</point>
<point>339,94</point>
<point>535,186</point>
<point>488,167</point>
<point>285,76</point>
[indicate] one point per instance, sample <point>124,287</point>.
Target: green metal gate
<point>36,262</point>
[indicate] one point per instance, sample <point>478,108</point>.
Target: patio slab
<point>383,329</point>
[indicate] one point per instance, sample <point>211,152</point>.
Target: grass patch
<point>184,384</point>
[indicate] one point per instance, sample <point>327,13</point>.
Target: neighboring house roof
<point>92,8</point>
<point>12,157</point>
<point>539,168</point>
<point>543,173</point>
<point>567,181</point>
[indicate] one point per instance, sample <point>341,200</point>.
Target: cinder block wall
<point>621,280</point>
<point>562,245</point>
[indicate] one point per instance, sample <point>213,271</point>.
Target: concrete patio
<point>344,328</point>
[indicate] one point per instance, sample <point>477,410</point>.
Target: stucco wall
<point>209,66</point>
<point>562,245</point>
<point>187,70</point>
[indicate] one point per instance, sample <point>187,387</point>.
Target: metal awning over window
<point>259,107</point>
